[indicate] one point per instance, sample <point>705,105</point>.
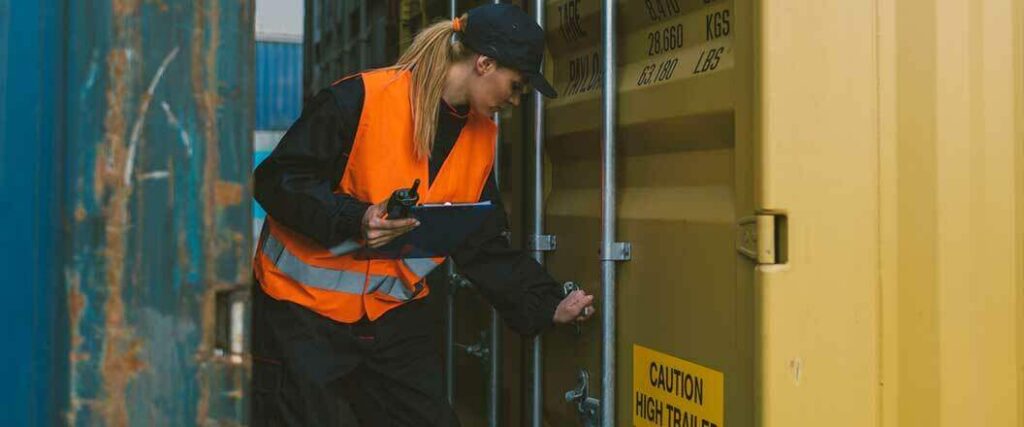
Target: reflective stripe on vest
<point>421,266</point>
<point>329,279</point>
<point>418,266</point>
<point>393,286</point>
<point>345,248</point>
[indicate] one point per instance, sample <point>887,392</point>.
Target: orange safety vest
<point>330,281</point>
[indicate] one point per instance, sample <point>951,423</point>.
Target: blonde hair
<point>429,56</point>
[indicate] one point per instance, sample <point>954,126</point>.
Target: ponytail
<point>432,52</point>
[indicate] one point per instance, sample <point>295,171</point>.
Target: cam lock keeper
<point>402,200</point>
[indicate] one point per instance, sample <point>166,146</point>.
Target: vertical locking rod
<point>609,98</point>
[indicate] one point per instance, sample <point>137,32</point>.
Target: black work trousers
<point>308,370</point>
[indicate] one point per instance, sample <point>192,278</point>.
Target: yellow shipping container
<point>825,202</point>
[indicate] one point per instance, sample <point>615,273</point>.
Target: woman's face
<point>494,88</point>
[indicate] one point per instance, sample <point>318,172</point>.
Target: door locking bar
<point>587,407</point>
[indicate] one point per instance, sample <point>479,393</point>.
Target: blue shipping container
<point>278,101</point>
<point>278,84</point>
<point>126,153</point>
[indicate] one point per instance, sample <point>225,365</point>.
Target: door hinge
<point>542,242</point>
<point>762,238</point>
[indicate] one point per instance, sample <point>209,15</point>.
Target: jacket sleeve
<point>515,284</point>
<point>295,183</point>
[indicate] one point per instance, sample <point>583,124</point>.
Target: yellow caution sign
<point>671,392</point>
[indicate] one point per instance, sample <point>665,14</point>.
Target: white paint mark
<point>141,119</point>
<point>90,80</point>
<point>155,175</point>
<point>173,120</point>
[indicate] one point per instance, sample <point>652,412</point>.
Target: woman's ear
<point>484,64</point>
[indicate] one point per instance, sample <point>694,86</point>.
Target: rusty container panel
<point>159,125</point>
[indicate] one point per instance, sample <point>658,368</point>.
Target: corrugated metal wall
<point>334,46</point>
<point>146,181</point>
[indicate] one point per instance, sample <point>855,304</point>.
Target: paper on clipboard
<point>443,227</point>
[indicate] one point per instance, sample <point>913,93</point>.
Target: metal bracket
<point>619,251</point>
<point>587,407</point>
<point>230,328</point>
<point>762,238</point>
<point>542,242</point>
<point>479,349</point>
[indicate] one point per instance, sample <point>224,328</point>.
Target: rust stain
<point>228,193</point>
<point>115,408</point>
<point>243,245</point>
<point>98,190</point>
<point>203,73</point>
<point>125,8</point>
<point>120,361</point>
<point>160,5</point>
<point>80,212</point>
<point>76,306</point>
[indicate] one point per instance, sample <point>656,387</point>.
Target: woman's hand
<point>378,231</point>
<point>576,307</point>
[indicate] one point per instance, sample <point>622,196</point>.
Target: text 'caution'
<point>671,392</point>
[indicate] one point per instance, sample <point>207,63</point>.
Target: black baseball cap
<point>509,35</point>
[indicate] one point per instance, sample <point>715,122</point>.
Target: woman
<point>331,329</point>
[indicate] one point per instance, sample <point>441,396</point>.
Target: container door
<point>686,298</point>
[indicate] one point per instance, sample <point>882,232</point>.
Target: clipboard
<point>443,227</point>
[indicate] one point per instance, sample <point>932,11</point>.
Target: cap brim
<point>541,84</point>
